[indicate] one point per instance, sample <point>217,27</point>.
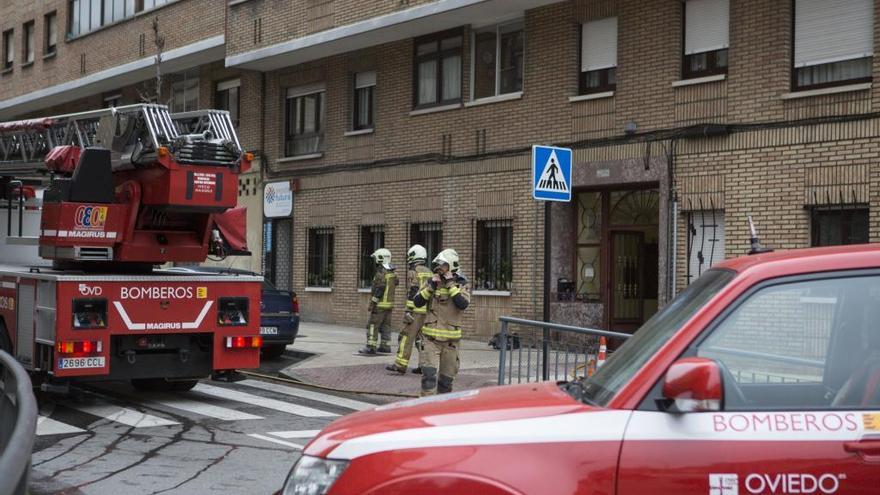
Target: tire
<point>162,385</point>
<point>274,351</point>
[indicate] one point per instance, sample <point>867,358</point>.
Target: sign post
<point>551,181</point>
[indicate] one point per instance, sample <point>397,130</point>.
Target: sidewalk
<point>334,363</point>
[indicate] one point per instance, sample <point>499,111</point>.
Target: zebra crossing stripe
<point>49,426</point>
<point>200,408</point>
<point>128,417</point>
<point>256,400</point>
<point>355,405</point>
<point>292,445</point>
<point>295,434</point>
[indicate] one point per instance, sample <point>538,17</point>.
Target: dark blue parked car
<point>279,311</point>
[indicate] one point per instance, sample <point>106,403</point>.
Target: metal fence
<point>18,424</point>
<point>547,351</point>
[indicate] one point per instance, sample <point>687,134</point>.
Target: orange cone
<point>603,348</point>
<point>591,368</point>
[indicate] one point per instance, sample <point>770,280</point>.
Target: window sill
<point>699,80</point>
<point>27,64</point>
<point>319,289</point>
<point>359,132</point>
<point>299,158</point>
<point>364,290</point>
<point>826,91</point>
<point>492,293</point>
<point>6,71</point>
<point>592,96</point>
<point>233,3</point>
<point>494,99</point>
<point>441,108</point>
<point>50,55</point>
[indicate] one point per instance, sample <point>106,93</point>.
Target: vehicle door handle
<point>864,447</point>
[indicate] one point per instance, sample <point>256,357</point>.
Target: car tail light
<point>241,342</point>
<point>295,304</point>
<point>232,311</point>
<point>82,347</point>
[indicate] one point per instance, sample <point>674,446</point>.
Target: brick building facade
<point>398,121</point>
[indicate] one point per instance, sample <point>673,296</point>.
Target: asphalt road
<point>219,438</point>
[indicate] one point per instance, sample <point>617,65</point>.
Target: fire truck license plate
<point>268,330</point>
<point>84,362</point>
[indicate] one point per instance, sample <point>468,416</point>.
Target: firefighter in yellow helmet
<point>381,304</point>
<point>413,317</point>
<point>446,296</point>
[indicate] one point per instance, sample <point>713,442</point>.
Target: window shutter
<point>364,79</point>
<point>707,241</point>
<point>706,25</point>
<point>599,44</point>
<point>224,85</point>
<point>828,31</point>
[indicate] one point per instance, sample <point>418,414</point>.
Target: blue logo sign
<point>551,173</point>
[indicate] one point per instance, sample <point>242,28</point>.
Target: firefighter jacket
<point>384,283</point>
<point>418,277</point>
<point>446,303</point>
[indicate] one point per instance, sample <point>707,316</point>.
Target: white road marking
<point>256,400</point>
<point>200,408</point>
<point>295,433</point>
<point>292,445</point>
<point>308,394</point>
<point>122,415</point>
<point>48,426</point>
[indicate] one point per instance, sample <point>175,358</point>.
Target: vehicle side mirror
<point>693,385</point>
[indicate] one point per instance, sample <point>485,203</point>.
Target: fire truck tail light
<point>83,347</point>
<point>249,342</point>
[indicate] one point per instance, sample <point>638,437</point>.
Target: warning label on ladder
<point>551,173</point>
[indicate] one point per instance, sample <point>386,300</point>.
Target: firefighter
<point>381,304</point>
<point>413,317</point>
<point>446,295</point>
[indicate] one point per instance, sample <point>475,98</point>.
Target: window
<point>836,226</point>
<point>320,273</point>
<point>705,241</point>
<point>833,42</point>
<point>438,69</point>
<point>364,100</point>
<point>116,10</point>
<point>185,91</point>
<point>304,115</point>
<point>494,255</point>
<point>277,254</point>
<point>27,42</point>
<point>429,235</point>
<point>51,33</point>
<point>706,29</point>
<point>497,60</point>
<point>227,98</point>
<point>589,248</point>
<point>372,238</point>
<point>8,49</point>
<point>803,344</point>
<point>112,100</point>
<point>88,15</point>
<point>598,56</point>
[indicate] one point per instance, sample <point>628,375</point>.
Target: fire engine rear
<point>95,202</point>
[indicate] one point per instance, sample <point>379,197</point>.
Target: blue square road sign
<point>551,173</point>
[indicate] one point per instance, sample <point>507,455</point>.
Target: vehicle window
<point>268,285</point>
<point>636,351</point>
<point>809,344</point>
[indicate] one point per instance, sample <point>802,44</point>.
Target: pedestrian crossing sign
<point>551,173</point>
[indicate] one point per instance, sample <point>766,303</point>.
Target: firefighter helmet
<point>382,257</point>
<point>416,253</point>
<point>446,257</point>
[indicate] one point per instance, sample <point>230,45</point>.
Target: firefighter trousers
<point>379,325</point>
<point>439,362</point>
<point>408,335</point>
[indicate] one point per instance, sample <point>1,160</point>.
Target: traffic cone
<point>591,368</point>
<point>603,347</point>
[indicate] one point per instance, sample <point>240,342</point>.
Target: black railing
<point>18,424</point>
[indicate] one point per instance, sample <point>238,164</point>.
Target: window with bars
<point>363,102</point>
<point>320,269</point>
<point>598,56</point>
<point>834,226</point>
<point>429,235</point>
<point>705,241</point>
<point>304,115</point>
<point>497,60</point>
<point>227,98</point>
<point>27,42</point>
<point>437,67</point>
<point>185,91</point>
<point>372,238</point>
<point>706,37</point>
<point>50,22</point>
<point>494,250</point>
<point>8,49</point>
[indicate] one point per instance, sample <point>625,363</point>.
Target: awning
<point>424,19</point>
<point>232,225</point>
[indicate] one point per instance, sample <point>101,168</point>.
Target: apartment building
<point>402,121</point>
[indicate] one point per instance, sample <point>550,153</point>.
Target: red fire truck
<point>95,202</point>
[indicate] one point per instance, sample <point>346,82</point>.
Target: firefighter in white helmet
<point>381,303</point>
<point>413,317</point>
<point>446,296</point>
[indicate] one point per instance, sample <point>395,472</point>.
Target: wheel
<point>163,385</point>
<point>274,351</point>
